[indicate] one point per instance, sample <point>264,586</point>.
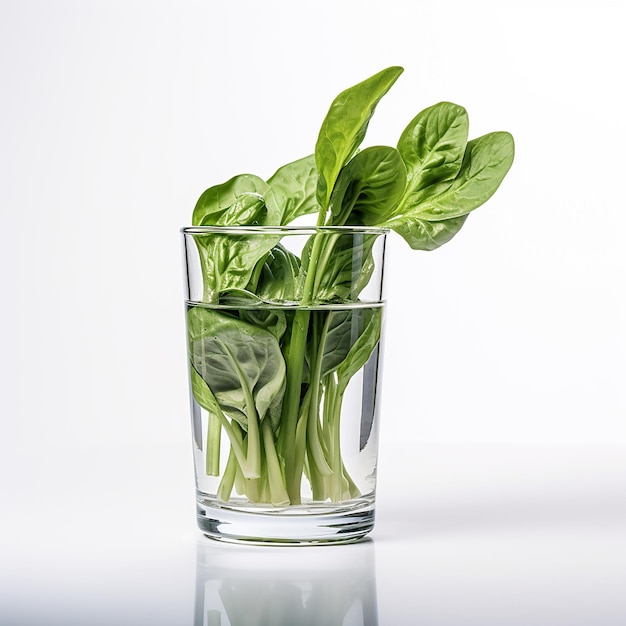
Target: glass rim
<point>282,230</point>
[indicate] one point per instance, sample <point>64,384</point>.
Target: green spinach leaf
<point>368,187</point>
<point>248,209</point>
<point>237,298</point>
<point>424,235</point>
<point>280,280</point>
<point>252,309</point>
<point>342,266</point>
<point>215,202</point>
<point>342,330</point>
<point>485,164</point>
<point>436,219</point>
<point>344,128</point>
<point>228,260</point>
<point>432,147</point>
<point>241,363</point>
<point>291,191</point>
<point>361,349</point>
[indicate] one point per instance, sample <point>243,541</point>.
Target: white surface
<point>502,535</point>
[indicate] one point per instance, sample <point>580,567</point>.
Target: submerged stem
<point>317,458</point>
<point>291,402</point>
<point>228,479</point>
<point>213,441</point>
<point>253,457</point>
<point>295,368</point>
<point>277,488</point>
<point>299,451</point>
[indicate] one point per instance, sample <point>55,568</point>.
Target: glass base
<point>305,524</point>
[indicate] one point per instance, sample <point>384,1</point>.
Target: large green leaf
<point>485,164</point>
<point>436,219</point>
<point>241,364</point>
<point>432,147</point>
<point>345,125</point>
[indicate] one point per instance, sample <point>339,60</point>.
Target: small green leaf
<point>234,298</point>
<point>202,393</point>
<point>361,349</point>
<point>424,235</point>
<point>345,126</point>
<point>252,309</point>
<point>242,364</point>
<point>343,266</point>
<point>248,209</point>
<point>228,260</point>
<point>291,191</point>
<point>343,329</point>
<point>205,398</point>
<point>217,200</point>
<point>279,279</point>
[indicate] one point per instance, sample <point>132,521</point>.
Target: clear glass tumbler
<point>284,330</point>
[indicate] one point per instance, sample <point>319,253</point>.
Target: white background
<point>115,116</point>
<point>505,356</point>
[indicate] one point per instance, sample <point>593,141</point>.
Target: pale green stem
<point>343,487</point>
<point>295,365</point>
<point>235,436</point>
<point>300,445</point>
<point>324,258</point>
<point>226,484</point>
<point>315,446</point>
<point>278,491</point>
<point>253,461</point>
<point>213,440</point>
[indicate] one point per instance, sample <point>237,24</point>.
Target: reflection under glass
<point>271,586</point>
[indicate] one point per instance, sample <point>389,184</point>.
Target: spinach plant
<point>272,376</point>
